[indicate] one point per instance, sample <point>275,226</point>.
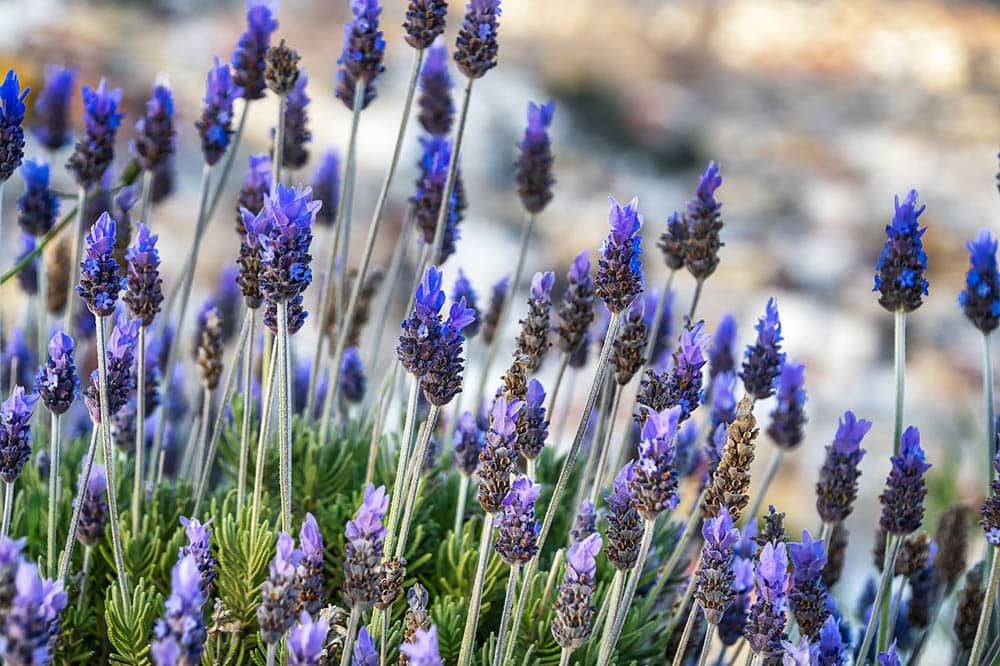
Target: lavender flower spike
<point>179,636</point>
<point>121,375</point>
<point>654,481</point>
<point>363,552</point>
<point>468,440</point>
<point>788,417</point>
<point>365,652</point>
<point>429,193</point>
<point>980,300</point>
<point>808,595</point>
<point>295,154</point>
<point>496,461</point>
<point>673,242</point>
<point>425,20</point>
<point>619,270</point>
<point>518,528</point>
<point>31,625</point>
<point>11,118</point>
<point>899,273</point>
<point>905,488</point>
<point>38,207</point>
<point>215,127</point>
<point>722,353</point>
<point>701,249</point>
<point>437,111</point>
<point>310,572</point>
<point>144,287</point>
<point>572,625</point>
<point>423,650</point>
<point>361,58</point>
<point>536,427</point>
<point>279,593</point>
<point>200,546</point>
<point>326,187</point>
<point>476,47</point>
<point>422,329</point>
<point>534,339</point>
<point>766,622</point>
<point>575,312</point>
<point>830,650</point>
<point>15,433</point>
<point>715,577</point>
<point>443,380</point>
<point>52,106</point>
<point>889,658</point>
<point>684,385</point>
<point>248,57</point>
<point>624,522</point>
<point>96,150</point>
<point>837,487</point>
<point>100,281</point>
<point>93,507</point>
<point>990,521</point>
<point>797,655</point>
<point>534,166</point>
<point>57,382</point>
<point>306,641</point>
<point>762,360</point>
<point>155,136</point>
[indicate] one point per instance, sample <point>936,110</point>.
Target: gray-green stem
<point>626,602</point>
<point>982,630</point>
<point>416,467</point>
<point>402,464</point>
<point>285,417</point>
<point>475,601</point>
<point>241,485</point>
<point>390,290</point>
<point>605,445</point>
<point>694,301</point>
<point>140,427</point>
<point>449,187</point>
<point>265,419</point>
<point>352,630</point>
<point>888,567</point>
<point>508,601</point>
<point>686,637</point>
<point>463,494</point>
<point>8,507</point>
<point>74,521</point>
<point>706,647</point>
<point>81,230</point>
<point>991,428</point>
<point>664,572</point>
<point>55,481</point>
<point>765,483</point>
<point>609,609</point>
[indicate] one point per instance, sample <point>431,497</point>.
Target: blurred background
<point>818,112</point>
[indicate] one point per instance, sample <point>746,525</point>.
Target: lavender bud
<point>952,539</point>
<point>100,280</point>
<point>391,582</point>
<point>468,440</point>
<point>684,385</point>
<point>364,48</point>
<point>155,137</point>
<point>363,551</point>
<point>210,349</point>
<point>534,166</point>
<point>627,355</point>
<point>199,545</point>
<point>533,341</point>
<point>143,290</point>
<point>575,610</point>
<point>654,478</point>
<point>491,318</point>
<point>57,382</point>
<point>535,427</point>
<point>422,329</point>
<point>518,529</point>
<point>15,433</point>
<point>423,649</point>
<point>437,112</point>
<point>31,627</point>
<point>619,270</point>
<point>808,594</point>
<point>624,523</point>
<point>94,152</point>
<point>673,242</point>
<point>969,607</point>
<point>463,289</point>
<point>585,523</point>
<point>476,47</point>
<point>425,20</point>
<point>11,118</point>
<point>248,57</point>
<point>38,207</point>
<point>429,193</point>
<point>575,311</point>
<point>294,153</point>
<point>52,106</point>
<point>256,186</point>
<point>365,652</point>
<point>93,507</point>
<point>788,417</point>
<point>309,574</point>
<point>496,460</point>
<point>837,487</point>
<point>701,248</point>
<point>765,628</point>
<point>215,127</point>
<point>326,187</point>
<point>279,593</point>
<point>980,300</point>
<point>281,69</point>
<point>123,427</point>
<point>179,635</point>
<point>121,377</point>
<point>715,575</point>
<point>905,487</point>
<point>762,360</point>
<point>722,353</point>
<point>830,650</point>
<point>353,382</point>
<point>306,641</point>
<point>730,484</point>
<point>889,658</point>
<point>443,380</point>
<point>899,273</point>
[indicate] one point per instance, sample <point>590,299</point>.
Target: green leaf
<point>130,623</point>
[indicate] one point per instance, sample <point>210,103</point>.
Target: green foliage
<point>130,623</point>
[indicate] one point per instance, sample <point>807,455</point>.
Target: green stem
<point>140,428</point>
<point>74,521</point>
<point>463,493</point>
<point>508,601</point>
<point>416,467</point>
<point>258,477</point>
<point>55,444</point>
<point>605,444</point>
<point>475,601</point>
<point>661,307</point>
<point>899,362</point>
<point>390,290</point>
<point>984,618</point>
<point>695,299</point>
<point>8,507</point>
<point>564,656</point>
<point>70,311</point>
<point>610,606</point>
<point>402,464</point>
<point>888,567</point>
<point>706,646</point>
<point>449,186</point>
<point>352,630</point>
<point>626,603</point>
<point>284,417</point>
<point>241,487</point>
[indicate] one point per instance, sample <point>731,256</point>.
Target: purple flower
<point>476,47</point>
<point>990,521</point>
<point>797,655</point>
<point>496,460</point>
<point>684,385</point>
<point>279,593</point>
<point>310,571</point>
<point>15,433</point>
<point>899,273</point>
<point>215,127</point>
<point>585,523</point>
<point>365,653</point>
<point>619,270</point>
<point>701,248</point>
<point>980,300</point>
<point>734,619</point>
<point>468,440</point>
<point>715,576</point>
<point>10,560</point>
<point>294,153</point>
<point>722,353</point>
<point>93,507</point>
<point>788,417</point>
<point>443,380</point>
<point>491,318</point>
<point>422,329</point>
<point>28,278</point>
<point>199,545</point>
<point>31,625</point>
<point>306,641</point>
<point>837,487</point>
<point>766,621</point>
<point>57,382</point>
<point>155,137</point>
<point>52,106</point>
<point>248,57</point>
<point>905,487</point>
<point>654,482</point>
<point>100,280</point>
<point>326,187</point>
<point>808,595</point>
<point>437,112</point>
<point>352,376</point>
<point>361,59</point>
<point>179,635</point>
<point>673,242</point>
<point>425,20</point>
<point>518,529</point>
<point>94,152</point>
<point>575,311</point>
<point>423,649</point>
<point>534,166</point>
<point>624,522</point>
<point>121,377</point>
<point>143,290</point>
<point>762,360</point>
<point>363,551</point>
<point>830,650</point>
<point>429,193</point>
<point>581,562</point>
<point>38,207</point>
<point>536,431</point>
<point>575,611</point>
<point>463,289</point>
<point>889,658</point>
<point>11,118</point>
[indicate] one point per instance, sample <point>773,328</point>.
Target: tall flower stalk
<point>365,536</point>
<point>15,446</point>
<point>704,222</point>
<point>11,131</point>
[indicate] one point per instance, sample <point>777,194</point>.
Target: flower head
<point>143,291</point>
<point>716,577</point>
<point>837,487</point>
<point>425,20</point>
<point>575,311</point>
<point>15,433</point>
<point>980,300</point>
<point>899,273</point>
<point>306,640</point>
<point>628,349</point>
<point>361,59</point>
<point>518,529</point>
<point>310,571</point>
<point>701,248</point>
<point>248,57</point>
<point>31,625</point>
<point>788,417</point>
<point>363,554</point>
<point>57,382</point>
<point>437,111</point>
<point>684,385</point>
<point>575,611</point>
<point>429,194</point>
<point>468,440</point>
<point>491,318</point>
<point>476,47</point>
<point>619,270</point>
<point>496,460</point>
<point>889,658</point>
<point>155,137</point>
<point>654,477</point>
<point>215,127</point>
<point>536,427</point>
<point>533,341</point>
<point>199,544</point>
<point>673,242</point>
<point>423,649</point>
<point>365,652</point>
<point>722,353</point>
<point>534,166</point>
<point>96,150</point>
<point>179,635</point>
<point>279,593</point>
<point>422,329</point>
<point>905,488</point>
<point>295,154</point>
<point>93,508</point>
<point>624,522</point>
<point>766,622</point>
<point>38,207</point>
<point>763,360</point>
<point>121,376</point>
<point>52,106</point>
<point>326,187</point>
<point>11,118</point>
<point>797,654</point>
<point>830,649</point>
<point>100,281</point>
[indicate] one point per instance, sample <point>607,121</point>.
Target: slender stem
<point>984,618</point>
<point>706,647</point>
<point>55,444</point>
<point>463,494</point>
<point>284,416</point>
<point>664,572</point>
<point>564,656</point>
<point>626,603</point>
<point>278,155</point>
<point>258,477</point>
<point>196,463</point>
<point>8,507</point>
<point>605,444</point>
<point>146,206</point>
<point>343,218</point>
<point>74,521</point>
<point>508,601</point>
<point>889,565</point>
<point>472,617</point>
<point>88,552</point>
<point>661,307</point>
<point>41,297</point>
<point>694,301</point>
<point>401,464</point>
<point>391,288</point>
<point>550,583</point>
<point>140,426</point>
<point>609,609</point>
<point>991,426</point>
<point>376,439</point>
<point>227,164</point>
<point>109,459</point>
<point>271,648</point>
<point>595,441</point>
<point>675,619</point>
<point>899,361</point>
<point>416,466</point>
<point>765,483</point>
<point>686,637</point>
<point>70,311</point>
<point>220,414</point>
<point>352,630</point>
<point>449,187</point>
<point>241,487</point>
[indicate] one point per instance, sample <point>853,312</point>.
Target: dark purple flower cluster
<point>93,507</point>
<point>496,460</point>
<point>701,248</point>
<point>199,544</point>
<point>491,317</point>
<point>584,524</point>
<point>38,206</point>
<point>468,440</point>
<point>722,353</point>
<point>673,242</point>
<point>684,384</point>
<point>429,193</point>
<point>788,416</point>
<point>762,360</point>
<point>425,20</point>
<point>463,289</point>
<point>990,521</point>
<point>837,487</point>
<point>96,150</point>
<point>310,570</point>
<point>629,347</point>
<point>31,623</point>
<point>100,280</point>
<point>15,433</point>
<point>619,270</point>
<point>575,610</point>
<point>518,530</point>
<point>534,338</point>
<point>57,382</point>
<point>361,60</point>
<point>143,291</point>
<point>476,47</point>
<point>326,187</point>
<point>121,377</point>
<point>715,576</point>
<point>155,137</point>
<point>905,487</point>
<point>11,119</point>
<point>52,106</point>
<point>28,278</point>
<point>624,529</point>
<point>179,635</point>
<point>575,312</point>
<point>653,484</point>
<point>437,111</point>
<point>830,650</point>
<point>535,428</point>
<point>808,596</point>
<point>353,381</point>
<point>215,127</point>
<point>363,550</point>
<point>443,379</point>
<point>534,165</point>
<point>899,273</point>
<point>279,593</point>
<point>294,153</point>
<point>248,57</point>
<point>765,627</point>
<point>980,300</point>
